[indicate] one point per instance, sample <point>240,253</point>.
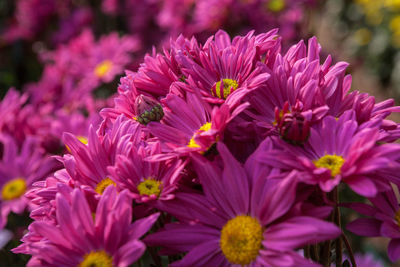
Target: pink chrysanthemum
<point>227,70</point>
<point>21,119</point>
<point>83,238</point>
<point>19,169</point>
<point>191,125</point>
<point>338,150</point>
<point>90,158</point>
<point>75,69</point>
<point>147,181</point>
<point>240,220</point>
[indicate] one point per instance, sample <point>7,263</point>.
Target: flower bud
<point>147,109</point>
<point>294,128</point>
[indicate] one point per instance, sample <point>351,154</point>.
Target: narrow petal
<point>298,231</point>
<point>365,227</point>
<point>394,250</point>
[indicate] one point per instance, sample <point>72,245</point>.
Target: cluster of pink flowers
<point>224,153</point>
<point>155,21</point>
<point>33,122</point>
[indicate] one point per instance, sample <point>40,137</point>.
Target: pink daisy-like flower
<point>338,150</point>
<point>237,222</point>
<point>227,70</point>
<point>19,169</point>
<point>90,158</point>
<point>293,91</point>
<point>192,125</point>
<point>82,238</point>
<point>20,119</point>
<point>384,220</point>
<point>147,181</point>
<point>156,74</point>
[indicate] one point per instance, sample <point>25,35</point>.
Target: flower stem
<point>339,247</point>
<point>349,250</point>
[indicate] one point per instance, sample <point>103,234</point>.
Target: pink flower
<point>88,161</point>
<point>147,180</point>
<point>106,236</point>
<point>20,119</point>
<point>338,150</point>
<point>235,207</point>
<point>192,125</point>
<point>19,169</point>
<point>75,69</point>
<point>227,70</point>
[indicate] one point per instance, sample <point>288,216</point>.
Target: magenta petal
<point>129,253</point>
<point>185,237</point>
<point>50,232</point>
<point>362,186</point>
<point>279,200</point>
<point>362,208</point>
<point>273,258</point>
<point>140,227</point>
<point>365,227</point>
<point>390,229</point>
<point>298,231</point>
<point>235,181</point>
<point>201,255</point>
<point>394,250</point>
<point>82,211</point>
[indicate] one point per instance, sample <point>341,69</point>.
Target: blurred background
<point>61,48</point>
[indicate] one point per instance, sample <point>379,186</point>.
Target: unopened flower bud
<point>148,109</point>
<point>294,128</point>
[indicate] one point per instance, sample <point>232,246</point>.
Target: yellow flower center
<point>149,187</point>
<point>332,162</point>
<point>229,86</point>
<point>106,182</point>
<point>397,217</point>
<point>97,259</point>
<point>103,68</point>
<point>241,239</point>
<point>204,128</point>
<point>13,189</point>
<point>276,5</point>
<point>82,139</point>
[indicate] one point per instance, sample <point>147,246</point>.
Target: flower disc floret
<point>332,162</point>
<point>229,86</point>
<point>149,187</point>
<point>103,184</point>
<point>13,189</point>
<point>97,259</point>
<point>204,128</point>
<point>103,68</point>
<point>241,239</point>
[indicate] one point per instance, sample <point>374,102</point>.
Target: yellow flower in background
<point>363,36</point>
<point>395,24</point>
<point>392,4</point>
